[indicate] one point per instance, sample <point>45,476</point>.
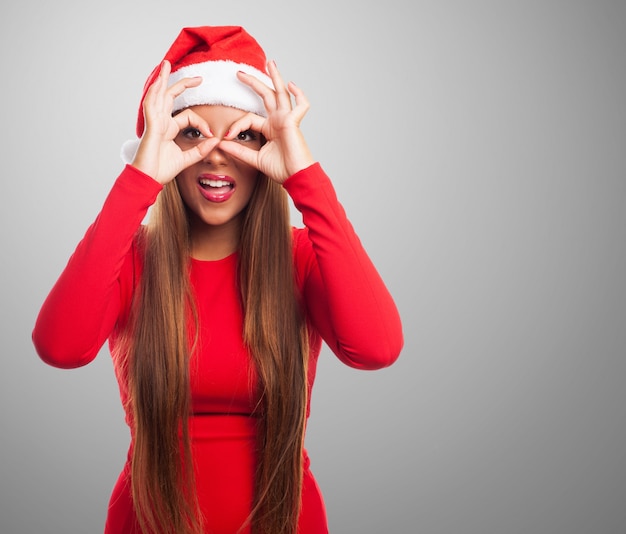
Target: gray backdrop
<point>480,151</point>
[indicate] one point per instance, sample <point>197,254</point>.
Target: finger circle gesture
<point>158,155</point>
<point>285,151</point>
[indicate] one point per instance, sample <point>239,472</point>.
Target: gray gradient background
<point>480,151</point>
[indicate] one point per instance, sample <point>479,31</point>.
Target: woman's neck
<point>211,243</point>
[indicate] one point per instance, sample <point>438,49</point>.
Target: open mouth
<point>216,184</point>
<point>216,188</point>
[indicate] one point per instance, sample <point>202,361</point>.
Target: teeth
<point>215,183</point>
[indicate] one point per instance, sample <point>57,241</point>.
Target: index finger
<point>188,118</point>
<point>283,97</point>
<point>266,93</point>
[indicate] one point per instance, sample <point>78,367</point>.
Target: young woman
<point>215,311</point>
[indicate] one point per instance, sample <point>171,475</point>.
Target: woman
<point>215,311</point>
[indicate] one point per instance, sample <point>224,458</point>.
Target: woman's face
<point>217,189</point>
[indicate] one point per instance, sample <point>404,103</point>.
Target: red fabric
<point>346,302</point>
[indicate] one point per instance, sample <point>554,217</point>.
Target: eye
<point>191,133</point>
<point>247,136</point>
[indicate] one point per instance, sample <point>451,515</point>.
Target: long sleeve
<point>345,297</point>
<point>82,308</point>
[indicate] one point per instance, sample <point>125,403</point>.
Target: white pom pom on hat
<point>215,53</point>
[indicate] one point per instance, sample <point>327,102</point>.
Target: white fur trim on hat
<point>220,86</point>
<point>129,150</point>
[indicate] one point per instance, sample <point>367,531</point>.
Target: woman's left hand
<point>285,151</point>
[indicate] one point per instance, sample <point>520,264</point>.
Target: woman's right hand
<point>158,155</point>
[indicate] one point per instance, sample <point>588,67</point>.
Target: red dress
<point>346,302</point>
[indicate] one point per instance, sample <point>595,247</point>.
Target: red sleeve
<point>345,297</point>
<point>81,310</point>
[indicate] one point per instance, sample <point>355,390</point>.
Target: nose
<point>216,157</point>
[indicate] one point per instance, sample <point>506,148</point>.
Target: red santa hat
<point>215,53</point>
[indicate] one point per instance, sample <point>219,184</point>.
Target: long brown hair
<point>159,342</point>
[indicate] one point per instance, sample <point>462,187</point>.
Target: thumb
<point>198,152</point>
<point>242,153</point>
